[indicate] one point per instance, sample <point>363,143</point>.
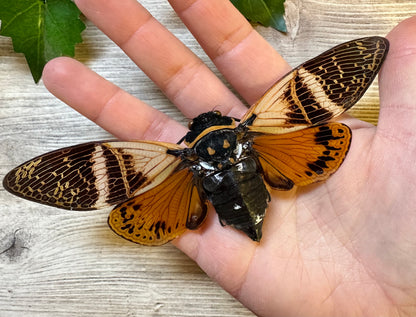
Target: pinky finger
<point>116,111</point>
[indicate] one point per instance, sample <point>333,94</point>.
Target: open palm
<point>343,247</point>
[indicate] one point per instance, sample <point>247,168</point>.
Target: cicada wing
<point>319,89</point>
<point>161,213</point>
<point>93,175</point>
<point>302,157</point>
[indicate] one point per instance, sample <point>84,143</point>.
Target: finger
<point>186,81</point>
<point>397,84</point>
<point>106,104</point>
<point>247,61</point>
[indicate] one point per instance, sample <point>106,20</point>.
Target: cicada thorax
<point>231,175</point>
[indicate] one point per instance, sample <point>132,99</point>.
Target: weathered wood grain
<point>60,263</point>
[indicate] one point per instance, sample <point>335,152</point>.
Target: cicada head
<point>205,121</point>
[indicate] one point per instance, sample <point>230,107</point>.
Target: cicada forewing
<point>319,89</point>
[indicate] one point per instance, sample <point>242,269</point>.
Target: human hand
<point>343,247</point>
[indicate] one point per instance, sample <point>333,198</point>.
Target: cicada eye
<point>217,112</point>
<point>190,123</point>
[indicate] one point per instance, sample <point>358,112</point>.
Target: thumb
<point>397,84</point>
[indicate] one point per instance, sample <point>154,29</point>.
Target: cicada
<point>287,138</point>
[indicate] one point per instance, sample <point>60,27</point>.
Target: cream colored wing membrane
<point>140,165</point>
<point>92,175</point>
<point>321,88</point>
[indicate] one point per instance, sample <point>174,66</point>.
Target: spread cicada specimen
<point>160,190</point>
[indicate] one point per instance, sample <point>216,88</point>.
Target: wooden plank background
<point>60,263</point>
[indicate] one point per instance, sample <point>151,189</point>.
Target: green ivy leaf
<point>41,29</point>
<point>265,12</point>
